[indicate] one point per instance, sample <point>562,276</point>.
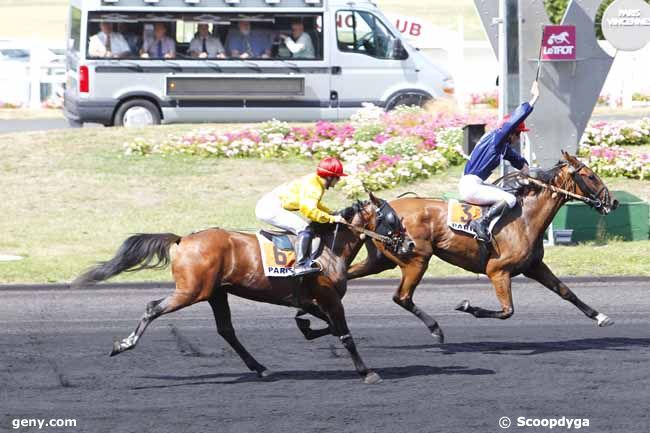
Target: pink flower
<point>381,138</point>
<point>326,129</point>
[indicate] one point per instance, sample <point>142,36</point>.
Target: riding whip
<point>539,57</point>
<point>336,232</point>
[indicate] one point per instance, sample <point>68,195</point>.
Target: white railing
<point>21,81</point>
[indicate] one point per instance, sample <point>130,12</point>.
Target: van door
<point>366,62</point>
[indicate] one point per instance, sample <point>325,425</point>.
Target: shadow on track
<point>530,348</point>
<point>298,375</point>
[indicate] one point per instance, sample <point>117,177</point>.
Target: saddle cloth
<point>278,255</point>
<point>460,214</point>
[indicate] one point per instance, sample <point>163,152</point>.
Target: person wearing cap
<point>486,156</point>
<point>293,205</point>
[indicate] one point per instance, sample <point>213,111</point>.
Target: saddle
<point>278,252</point>
<point>461,213</point>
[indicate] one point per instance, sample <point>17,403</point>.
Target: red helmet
<point>330,167</point>
<point>520,128</point>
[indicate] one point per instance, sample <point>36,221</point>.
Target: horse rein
<point>370,233</point>
<point>391,240</point>
<point>590,200</point>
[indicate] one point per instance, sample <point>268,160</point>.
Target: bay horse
<point>211,264</point>
<point>517,246</point>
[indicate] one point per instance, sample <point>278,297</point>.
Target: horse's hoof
<point>438,337</point>
<point>604,320</point>
<point>463,306</point>
<point>264,373</point>
<point>117,348</point>
<point>372,378</point>
<point>303,324</point>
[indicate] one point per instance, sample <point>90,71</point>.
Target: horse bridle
<point>383,232</point>
<point>591,198</point>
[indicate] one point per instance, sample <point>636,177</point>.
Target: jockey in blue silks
<point>487,156</point>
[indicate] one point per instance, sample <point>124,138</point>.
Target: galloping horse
<point>517,247</point>
<point>211,264</point>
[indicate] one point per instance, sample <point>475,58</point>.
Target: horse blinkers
<point>389,224</point>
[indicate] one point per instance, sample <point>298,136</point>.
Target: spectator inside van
<point>132,36</point>
<point>160,46</point>
<point>244,42</point>
<point>204,45</point>
<point>298,44</point>
<point>107,43</point>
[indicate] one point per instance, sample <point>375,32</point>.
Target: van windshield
<point>75,29</point>
<point>205,36</point>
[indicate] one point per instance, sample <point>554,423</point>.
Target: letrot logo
<point>559,43</point>
<point>561,38</point>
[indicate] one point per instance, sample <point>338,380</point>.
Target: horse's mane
<point>513,181</point>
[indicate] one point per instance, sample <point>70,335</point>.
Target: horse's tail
<point>138,252</point>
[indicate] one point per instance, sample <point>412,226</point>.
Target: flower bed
<point>488,99</point>
<point>616,161</point>
<point>382,150</point>
<point>379,150</point>
<point>620,133</point>
<point>601,148</point>
<point>8,104</point>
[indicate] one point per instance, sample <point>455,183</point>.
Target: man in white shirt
<point>298,45</point>
<point>204,45</point>
<point>107,43</point>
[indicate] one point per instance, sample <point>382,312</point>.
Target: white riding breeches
<point>473,190</point>
<point>269,209</point>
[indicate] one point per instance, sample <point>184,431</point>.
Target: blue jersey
<point>494,145</point>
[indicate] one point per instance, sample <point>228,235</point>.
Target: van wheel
<point>137,113</point>
<point>410,100</point>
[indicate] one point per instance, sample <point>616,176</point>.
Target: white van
<point>167,61</point>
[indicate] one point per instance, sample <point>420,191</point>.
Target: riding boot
<point>482,225</point>
<point>303,254</point>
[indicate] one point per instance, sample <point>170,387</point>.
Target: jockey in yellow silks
<point>293,205</point>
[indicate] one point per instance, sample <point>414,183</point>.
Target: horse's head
<point>588,184</point>
<point>378,216</point>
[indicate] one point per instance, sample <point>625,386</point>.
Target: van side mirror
<point>399,52</point>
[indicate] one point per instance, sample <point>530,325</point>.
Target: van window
<point>362,32</point>
<point>75,29</point>
<point>192,36</point>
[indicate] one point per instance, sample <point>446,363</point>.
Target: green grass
<point>69,198</point>
<point>20,114</point>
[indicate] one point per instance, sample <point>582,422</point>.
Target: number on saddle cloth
<point>278,253</point>
<point>460,214</point>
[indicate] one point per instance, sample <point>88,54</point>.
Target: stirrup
<point>308,269</point>
<point>476,232</point>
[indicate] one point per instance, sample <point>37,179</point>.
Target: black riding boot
<point>482,225</point>
<point>303,253</point>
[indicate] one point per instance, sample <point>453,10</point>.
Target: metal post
<point>508,59</point>
<point>503,63</point>
<point>503,57</point>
